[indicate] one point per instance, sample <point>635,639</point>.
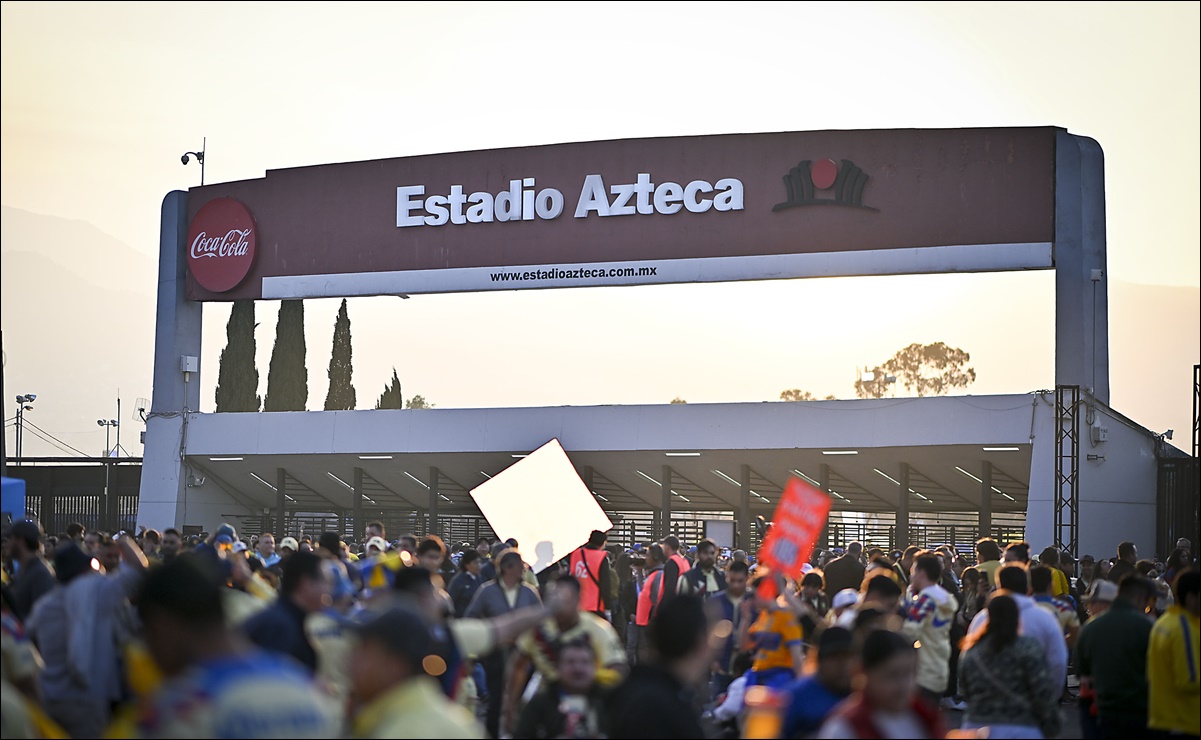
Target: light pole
<point>108,425</point>
<point>199,158</point>
<point>23,404</point>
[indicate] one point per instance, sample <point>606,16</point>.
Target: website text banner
<point>926,260</point>
<point>635,211</point>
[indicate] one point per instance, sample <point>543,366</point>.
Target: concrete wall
<point>1117,490</point>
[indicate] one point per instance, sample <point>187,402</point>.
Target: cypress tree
<point>341,367</point>
<point>237,376</point>
<point>390,398</point>
<point>287,376</point>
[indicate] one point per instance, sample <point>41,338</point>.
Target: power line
<point>56,439</point>
<point>60,446</point>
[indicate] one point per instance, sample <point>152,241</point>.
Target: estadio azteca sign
<point>221,244</point>
<point>629,212</point>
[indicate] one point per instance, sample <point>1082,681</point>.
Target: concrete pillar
<point>281,501</point>
<point>176,335</point>
<point>356,516</point>
<point>1081,281</point>
<point>665,505</point>
<point>744,508</point>
<point>986,499</point>
<point>434,496</point>
<point>903,509</point>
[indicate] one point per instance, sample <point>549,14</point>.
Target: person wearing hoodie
<point>928,621</point>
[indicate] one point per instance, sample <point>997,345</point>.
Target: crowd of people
<point>155,634</point>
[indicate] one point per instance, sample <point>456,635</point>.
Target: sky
<point>99,100</point>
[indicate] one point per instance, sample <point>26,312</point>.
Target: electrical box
<point>1099,433</point>
<point>189,364</point>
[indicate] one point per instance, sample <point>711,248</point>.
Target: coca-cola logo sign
<point>221,243</point>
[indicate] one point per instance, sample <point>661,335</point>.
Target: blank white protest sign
<point>541,502</point>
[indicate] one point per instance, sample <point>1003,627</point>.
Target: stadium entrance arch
<point>646,211</point>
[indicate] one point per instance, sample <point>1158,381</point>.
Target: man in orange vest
<point>598,584</point>
<point>676,565</point>
<point>649,597</point>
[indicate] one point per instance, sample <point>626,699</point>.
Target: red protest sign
<point>798,521</point>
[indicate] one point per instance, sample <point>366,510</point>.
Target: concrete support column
<point>357,523</point>
<point>903,508</point>
<point>435,494</point>
<point>986,499</point>
<point>665,505</point>
<point>281,501</point>
<point>177,334</point>
<point>1081,281</point>
<point>744,508</point>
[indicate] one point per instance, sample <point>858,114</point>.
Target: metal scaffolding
<point>1067,468</point>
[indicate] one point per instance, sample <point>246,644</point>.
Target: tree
<point>237,376</point>
<point>677,399</point>
<point>795,394</point>
<point>931,369</point>
<point>287,376</point>
<point>872,384</point>
<point>925,369</point>
<point>390,398</point>
<point>418,402</point>
<point>341,394</point>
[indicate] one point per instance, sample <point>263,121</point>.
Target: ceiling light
<point>289,498</point>
<point>265,483</point>
<point>443,497</point>
<point>518,456</point>
<point>1011,498</point>
<point>961,470</point>
<point>915,493</point>
<point>682,454</point>
<point>839,495</point>
<point>840,452</point>
<point>1002,449</point>
<point>348,486</point>
<point>225,459</point>
<point>886,475</point>
<point>485,475</point>
<point>602,498</point>
<point>644,475</point>
<point>417,480</point>
<point>798,472</point>
<point>725,477</point>
<point>375,457</point>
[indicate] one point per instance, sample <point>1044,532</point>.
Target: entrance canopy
<point>957,454</point>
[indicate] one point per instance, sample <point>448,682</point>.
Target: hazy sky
<point>100,100</point>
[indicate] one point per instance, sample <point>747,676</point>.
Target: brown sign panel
<point>702,208</point>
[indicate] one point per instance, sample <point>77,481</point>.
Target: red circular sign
<point>221,242</point>
<point>825,171</point>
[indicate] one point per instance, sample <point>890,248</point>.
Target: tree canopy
<point>925,369</point>
<point>341,395</point>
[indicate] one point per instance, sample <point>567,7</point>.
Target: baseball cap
<point>835,641</point>
<point>240,546</point>
<point>225,534</point>
<point>1102,591</point>
<point>27,530</point>
<point>290,543</point>
<point>845,597</point>
<point>378,542</point>
<point>401,630</point>
<point>1087,559</point>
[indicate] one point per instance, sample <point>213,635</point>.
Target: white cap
<point>239,546</point>
<point>290,543</point>
<point>845,597</point>
<point>378,543</point>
